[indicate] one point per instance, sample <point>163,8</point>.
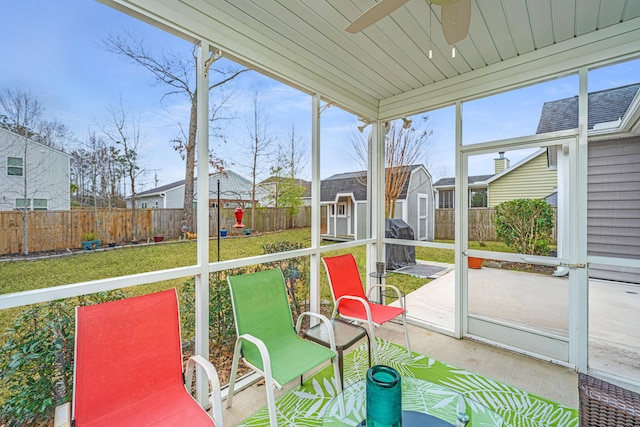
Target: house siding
<point>613,206</point>
<point>175,197</point>
<point>47,171</point>
<point>532,180</point>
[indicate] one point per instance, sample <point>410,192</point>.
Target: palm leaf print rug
<point>307,404</point>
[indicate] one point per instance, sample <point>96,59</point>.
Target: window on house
<point>156,205</point>
<point>446,199</point>
<point>478,198</point>
<point>15,166</point>
<point>143,205</point>
<point>40,204</point>
<point>22,203</point>
<point>342,209</point>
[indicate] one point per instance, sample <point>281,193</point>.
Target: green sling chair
<point>269,343</point>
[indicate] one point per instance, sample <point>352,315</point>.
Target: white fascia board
<point>338,195</point>
<point>239,42</point>
<point>618,41</point>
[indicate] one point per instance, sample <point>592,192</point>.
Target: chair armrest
<point>400,294</point>
<point>362,301</point>
<point>215,398</point>
<point>62,415</point>
<point>264,354</point>
<point>325,322</point>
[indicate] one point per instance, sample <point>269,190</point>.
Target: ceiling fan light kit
<point>455,19</point>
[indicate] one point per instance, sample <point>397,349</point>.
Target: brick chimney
<point>501,163</point>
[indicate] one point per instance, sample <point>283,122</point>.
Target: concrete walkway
<point>541,302</point>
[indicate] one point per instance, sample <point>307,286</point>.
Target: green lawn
<point>25,275</point>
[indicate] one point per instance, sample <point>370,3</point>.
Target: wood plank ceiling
<point>304,42</point>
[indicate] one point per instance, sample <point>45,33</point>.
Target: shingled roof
<point>445,182</point>
<point>232,186</point>
<point>351,182</point>
<point>604,106</point>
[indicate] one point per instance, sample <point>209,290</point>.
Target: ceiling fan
<point>456,15</point>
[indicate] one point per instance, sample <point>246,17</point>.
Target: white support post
<point>314,268</point>
<point>460,306</point>
<point>375,196</point>
<point>579,277</point>
<point>202,278</point>
<point>379,136</point>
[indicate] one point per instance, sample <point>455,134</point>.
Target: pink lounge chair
<point>128,367</point>
<point>351,302</point>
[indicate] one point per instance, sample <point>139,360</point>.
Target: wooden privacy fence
<point>480,224</point>
<point>60,230</point>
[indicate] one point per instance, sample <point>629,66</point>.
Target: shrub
<point>221,327</point>
<point>85,237</point>
<point>525,225</point>
<point>36,360</point>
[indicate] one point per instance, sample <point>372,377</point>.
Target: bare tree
<point>178,73</point>
<point>296,154</point>
<point>123,129</point>
<point>22,115</point>
<point>97,173</point>
<point>404,147</point>
<point>258,145</point>
<point>292,190</point>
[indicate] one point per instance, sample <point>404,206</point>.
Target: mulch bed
<point>529,268</point>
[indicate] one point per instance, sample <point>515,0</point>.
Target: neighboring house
<point>344,196</point>
<point>613,175</point>
<point>271,185</point>
<point>44,171</point>
<point>531,178</point>
<point>444,189</point>
<point>234,190</point>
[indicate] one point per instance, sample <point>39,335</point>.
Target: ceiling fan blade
<point>443,2</point>
<point>374,14</point>
<point>455,20</point>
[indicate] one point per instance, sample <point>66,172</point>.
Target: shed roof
<point>353,182</point>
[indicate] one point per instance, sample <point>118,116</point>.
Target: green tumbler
<point>384,397</point>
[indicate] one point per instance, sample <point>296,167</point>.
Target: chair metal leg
<point>234,369</point>
<point>372,343</point>
<point>271,400</point>
<point>406,332</point>
<point>338,385</point>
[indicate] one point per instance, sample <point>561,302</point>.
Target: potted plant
<point>89,241</point>
<point>474,262</point>
<point>223,232</point>
<point>158,235</point>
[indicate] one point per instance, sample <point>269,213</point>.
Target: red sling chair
<point>350,301</point>
<point>128,367</point>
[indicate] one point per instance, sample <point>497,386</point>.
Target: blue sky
<point>51,49</point>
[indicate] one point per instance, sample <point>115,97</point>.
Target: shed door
<point>423,209</point>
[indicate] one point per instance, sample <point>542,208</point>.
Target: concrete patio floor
<point>544,379</point>
<point>542,302</point>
